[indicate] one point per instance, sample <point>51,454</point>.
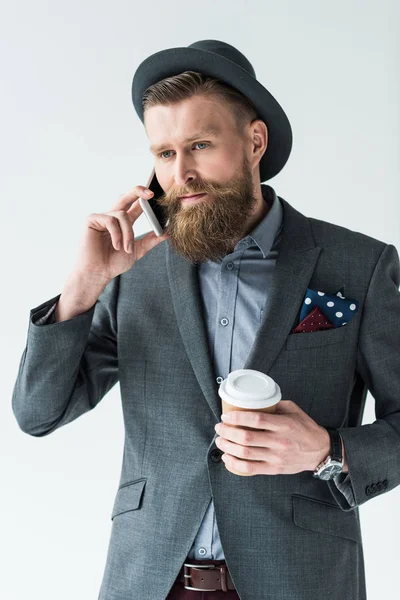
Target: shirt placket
<point>227,292</point>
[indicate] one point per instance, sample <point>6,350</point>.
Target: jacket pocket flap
<point>310,339</point>
<point>323,517</point>
<point>128,497</point>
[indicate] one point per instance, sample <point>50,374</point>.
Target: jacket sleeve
<point>373,450</point>
<point>68,366</point>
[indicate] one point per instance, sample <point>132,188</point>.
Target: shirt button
<point>202,551</point>
<point>230,265</point>
<point>220,379</point>
<point>224,322</point>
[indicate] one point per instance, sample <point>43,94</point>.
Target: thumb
<point>152,239</point>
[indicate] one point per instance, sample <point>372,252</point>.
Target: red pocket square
<point>314,321</point>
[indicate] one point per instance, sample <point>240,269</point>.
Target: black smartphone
<point>155,213</point>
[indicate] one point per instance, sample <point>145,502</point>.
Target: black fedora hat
<point>223,61</point>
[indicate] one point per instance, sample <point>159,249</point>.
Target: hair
<point>189,83</point>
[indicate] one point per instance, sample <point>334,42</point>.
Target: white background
<point>71,144</point>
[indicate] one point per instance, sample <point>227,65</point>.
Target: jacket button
<point>367,491</point>
<point>215,455</point>
<point>373,488</point>
<point>385,484</point>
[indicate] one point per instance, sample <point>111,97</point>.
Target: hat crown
<point>226,51</point>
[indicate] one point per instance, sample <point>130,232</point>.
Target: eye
<point>164,151</point>
<point>161,154</point>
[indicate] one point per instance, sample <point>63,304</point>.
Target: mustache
<point>174,199</point>
<point>193,192</point>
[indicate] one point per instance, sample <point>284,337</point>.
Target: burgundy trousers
<point>178,591</point>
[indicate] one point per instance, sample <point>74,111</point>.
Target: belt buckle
<point>185,574</point>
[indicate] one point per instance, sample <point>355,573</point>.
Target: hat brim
<point>174,61</point>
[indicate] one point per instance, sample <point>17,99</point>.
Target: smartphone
<point>155,213</point>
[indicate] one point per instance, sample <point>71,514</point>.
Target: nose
<point>184,180</point>
<point>184,174</point>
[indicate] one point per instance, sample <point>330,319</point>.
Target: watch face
<point>331,471</point>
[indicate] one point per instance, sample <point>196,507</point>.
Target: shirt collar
<point>264,234</point>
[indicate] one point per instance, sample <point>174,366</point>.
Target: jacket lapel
<point>296,261</point>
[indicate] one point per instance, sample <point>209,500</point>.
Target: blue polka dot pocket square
<point>321,311</point>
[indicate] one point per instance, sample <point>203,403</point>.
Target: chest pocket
<point>311,339</point>
<point>299,341</point>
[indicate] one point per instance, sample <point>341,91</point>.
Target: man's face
<point>214,164</point>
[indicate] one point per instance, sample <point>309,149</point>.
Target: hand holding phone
<point>104,251</point>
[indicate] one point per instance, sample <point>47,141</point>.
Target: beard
<point>210,229</point>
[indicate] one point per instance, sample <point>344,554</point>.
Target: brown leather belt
<point>206,578</point>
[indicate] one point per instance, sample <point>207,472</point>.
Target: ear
<point>259,136</point>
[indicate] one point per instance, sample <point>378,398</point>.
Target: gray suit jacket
<point>287,537</point>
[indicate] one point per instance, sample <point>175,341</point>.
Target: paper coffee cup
<point>247,389</point>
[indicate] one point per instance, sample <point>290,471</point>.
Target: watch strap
<point>336,444</point>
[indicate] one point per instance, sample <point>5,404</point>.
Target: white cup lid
<point>248,388</point>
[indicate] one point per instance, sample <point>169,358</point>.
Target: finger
<point>108,223</point>
<point>134,211</point>
<point>244,452</point>
<point>254,419</point>
<point>126,201</point>
<point>232,462</point>
<point>256,467</point>
<point>150,240</point>
<point>248,437</point>
<point>126,229</point>
<point>248,467</point>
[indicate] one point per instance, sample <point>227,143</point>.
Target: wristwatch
<point>333,463</point>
